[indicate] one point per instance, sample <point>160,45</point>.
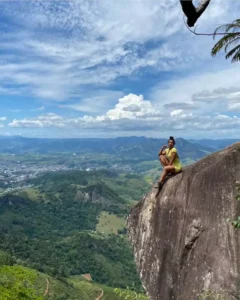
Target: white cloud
<point>176,112</point>
<point>227,98</point>
<point>78,52</point>
<point>180,105</point>
<point>211,93</point>
<point>2,119</point>
<point>65,46</point>
<point>95,101</point>
<point>143,118</point>
<point>40,108</point>
<point>234,106</point>
<point>48,120</point>
<point>130,107</point>
<point>121,112</point>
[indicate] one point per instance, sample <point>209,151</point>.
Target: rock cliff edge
<point>183,243</point>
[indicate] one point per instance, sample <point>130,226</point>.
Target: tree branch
<point>191,12</point>
<point>209,34</point>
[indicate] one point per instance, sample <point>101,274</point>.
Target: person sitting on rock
<point>170,161</point>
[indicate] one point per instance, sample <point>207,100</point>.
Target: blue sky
<point>114,68</point>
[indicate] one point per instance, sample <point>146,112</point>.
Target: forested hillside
<point>58,225</point>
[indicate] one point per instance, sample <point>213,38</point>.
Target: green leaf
<point>235,223</point>
<point>230,38</point>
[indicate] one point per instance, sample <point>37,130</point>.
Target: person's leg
<point>166,171</point>
<point>164,161</point>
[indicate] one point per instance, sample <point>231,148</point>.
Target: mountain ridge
<point>130,146</point>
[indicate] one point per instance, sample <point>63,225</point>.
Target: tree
<point>231,39</point>
<point>193,13</point>
<point>130,293</point>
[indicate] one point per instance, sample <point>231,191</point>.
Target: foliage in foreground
<point>236,223</point>
<point>230,42</point>
<point>21,283</point>
<point>130,293</point>
<point>17,283</point>
<point>211,295</point>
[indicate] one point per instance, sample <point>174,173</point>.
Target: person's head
<point>171,142</point>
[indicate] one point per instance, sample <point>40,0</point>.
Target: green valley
<point>63,215</point>
<point>73,222</point>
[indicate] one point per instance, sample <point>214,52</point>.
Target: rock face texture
<point>184,246</point>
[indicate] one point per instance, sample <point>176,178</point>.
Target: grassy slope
<point>21,283</point>
<point>18,283</point>
<point>110,223</point>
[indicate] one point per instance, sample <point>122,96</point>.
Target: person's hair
<point>171,138</point>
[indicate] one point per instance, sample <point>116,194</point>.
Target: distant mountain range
<point>215,144</point>
<point>129,147</point>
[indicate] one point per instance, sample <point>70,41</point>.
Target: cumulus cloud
<point>133,114</point>
<point>130,107</point>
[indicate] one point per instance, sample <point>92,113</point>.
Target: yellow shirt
<point>176,164</point>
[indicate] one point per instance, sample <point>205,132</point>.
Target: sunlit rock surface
<point>183,243</point>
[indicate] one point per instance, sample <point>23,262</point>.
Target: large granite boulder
<point>184,244</point>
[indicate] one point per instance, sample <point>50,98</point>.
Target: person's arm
<point>162,151</point>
